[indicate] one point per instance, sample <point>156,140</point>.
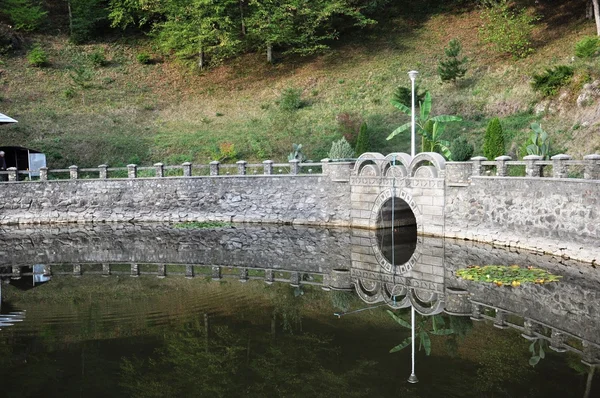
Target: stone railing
<point>533,330</point>
<point>160,170</point>
<point>559,166</point>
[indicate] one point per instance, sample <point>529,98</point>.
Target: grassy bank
<point>132,113</point>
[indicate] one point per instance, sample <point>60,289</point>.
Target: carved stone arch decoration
<point>396,165</point>
<point>397,193</point>
<point>395,296</point>
<point>369,291</point>
<point>373,159</point>
<point>435,170</point>
<point>426,302</point>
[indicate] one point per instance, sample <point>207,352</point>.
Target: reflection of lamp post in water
<point>413,75</point>
<point>413,377</point>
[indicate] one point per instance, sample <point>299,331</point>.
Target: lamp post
<point>413,377</point>
<point>413,75</point>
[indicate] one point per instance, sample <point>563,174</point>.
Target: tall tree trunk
<point>597,15</point>
<point>589,10</point>
<point>242,17</point>
<point>270,52</point>
<point>70,18</point>
<point>201,58</point>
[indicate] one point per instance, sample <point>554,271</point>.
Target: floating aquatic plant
<point>204,224</point>
<point>502,275</point>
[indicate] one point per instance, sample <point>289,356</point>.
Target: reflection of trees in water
<point>240,362</point>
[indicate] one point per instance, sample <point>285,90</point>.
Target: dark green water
<point>148,336</point>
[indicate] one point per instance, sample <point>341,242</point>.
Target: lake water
<point>267,311</point>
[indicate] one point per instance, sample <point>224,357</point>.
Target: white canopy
<point>5,119</point>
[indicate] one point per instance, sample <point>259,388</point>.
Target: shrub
<point>539,142</point>
<point>452,67</point>
<point>461,150</point>
<point>340,149</point>
<point>98,59</point>
<point>549,82</point>
<point>296,153</point>
<point>37,57</point>
<point>363,143</point>
<point>87,15</point>
<point>144,58</point>
<point>26,15</point>
<point>349,126</point>
<point>291,99</point>
<point>507,29</point>
<point>404,95</point>
<point>587,47</point>
<point>493,141</point>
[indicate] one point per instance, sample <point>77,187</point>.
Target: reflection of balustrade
<point>532,330</point>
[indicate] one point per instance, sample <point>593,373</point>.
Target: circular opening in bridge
<point>396,231</point>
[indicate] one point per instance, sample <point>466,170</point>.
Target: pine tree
<point>493,141</point>
<point>452,67</point>
<point>363,142</point>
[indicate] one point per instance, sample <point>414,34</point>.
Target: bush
<point>587,47</point>
<point>493,141</point>
<point>87,15</point>
<point>452,67</point>
<point>363,143</point>
<point>26,15</point>
<point>291,99</point>
<point>349,126</point>
<point>461,150</point>
<point>507,29</point>
<point>404,95</point>
<point>37,57</point>
<point>549,82</point>
<point>144,58</point>
<point>340,149</point>
<point>98,59</point>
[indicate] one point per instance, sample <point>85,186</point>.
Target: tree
<point>363,142</point>
<point>493,141</point>
<point>431,129</point>
<point>452,67</point>
<point>26,15</point>
<point>596,6</point>
<point>300,26</point>
<point>204,29</point>
<point>84,17</point>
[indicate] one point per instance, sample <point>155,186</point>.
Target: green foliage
<point>493,141</point>
<point>502,275</point>
<point>349,126</point>
<point>144,58</point>
<point>98,58</point>
<point>587,47</point>
<point>508,29</point>
<point>87,16</point>
<point>363,143</point>
<point>203,224</point>
<point>403,95</point>
<point>296,153</point>
<point>461,150</point>
<point>549,82</point>
<point>341,149</point>
<point>37,57</point>
<point>425,326</point>
<point>291,99</point>
<point>540,353</point>
<point>430,128</point>
<point>539,142</point>
<point>26,15</point>
<point>225,151</point>
<point>452,67</point>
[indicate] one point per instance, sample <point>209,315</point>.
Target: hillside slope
<point>128,112</point>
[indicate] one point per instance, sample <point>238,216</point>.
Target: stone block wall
<point>301,199</point>
<point>556,216</point>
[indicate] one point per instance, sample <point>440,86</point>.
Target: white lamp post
<point>413,377</point>
<point>413,75</point>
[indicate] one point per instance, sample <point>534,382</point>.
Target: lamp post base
<point>413,378</point>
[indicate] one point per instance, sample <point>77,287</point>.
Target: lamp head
<point>413,74</point>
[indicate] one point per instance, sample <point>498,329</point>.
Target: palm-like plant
<point>423,329</point>
<point>431,129</point>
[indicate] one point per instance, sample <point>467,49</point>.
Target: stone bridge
<point>549,206</point>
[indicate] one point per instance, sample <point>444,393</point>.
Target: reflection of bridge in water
<point>564,314</point>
